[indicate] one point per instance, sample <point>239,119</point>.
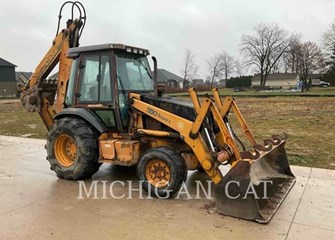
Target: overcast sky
<point>167,28</point>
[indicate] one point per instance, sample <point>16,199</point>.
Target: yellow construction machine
<point>105,107</point>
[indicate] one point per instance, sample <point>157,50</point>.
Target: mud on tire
<point>79,138</point>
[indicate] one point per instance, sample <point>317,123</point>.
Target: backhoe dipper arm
<point>38,94</point>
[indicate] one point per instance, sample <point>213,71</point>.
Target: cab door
<point>95,88</point>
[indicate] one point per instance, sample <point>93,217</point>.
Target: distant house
<point>22,78</point>
<point>278,80</point>
<point>7,79</point>
<point>169,78</point>
<point>198,82</point>
<point>316,78</point>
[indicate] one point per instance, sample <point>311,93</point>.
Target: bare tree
<point>215,68</point>
<point>190,69</point>
<point>312,60</point>
<point>277,66</point>
<point>221,64</point>
<point>328,39</point>
<point>328,45</point>
<point>229,65</point>
<point>265,47</point>
<point>293,57</point>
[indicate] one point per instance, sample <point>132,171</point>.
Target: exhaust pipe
<point>155,76</point>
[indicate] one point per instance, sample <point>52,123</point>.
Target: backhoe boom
<point>38,94</point>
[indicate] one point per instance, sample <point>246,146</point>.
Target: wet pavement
<point>35,204</point>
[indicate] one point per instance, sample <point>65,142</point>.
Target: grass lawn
<point>308,121</point>
<point>321,91</point>
<point>15,121</point>
<point>313,91</point>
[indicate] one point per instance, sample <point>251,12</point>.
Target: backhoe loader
<point>106,107</point>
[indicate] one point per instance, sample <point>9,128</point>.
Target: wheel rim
<point>158,173</point>
<point>65,150</point>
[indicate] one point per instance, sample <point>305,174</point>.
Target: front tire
<point>162,171</point>
<point>72,149</point>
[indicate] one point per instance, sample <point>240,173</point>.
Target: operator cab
<point>102,77</point>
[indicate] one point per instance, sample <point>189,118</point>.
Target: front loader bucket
<point>255,187</point>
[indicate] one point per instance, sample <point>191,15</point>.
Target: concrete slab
<point>320,173</point>
<point>302,232</point>
<point>317,207</point>
<point>35,204</point>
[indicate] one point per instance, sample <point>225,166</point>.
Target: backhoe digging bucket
<point>255,187</point>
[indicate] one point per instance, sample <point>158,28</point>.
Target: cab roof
<point>74,52</point>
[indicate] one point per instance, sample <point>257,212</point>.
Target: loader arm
<point>253,168</point>
<point>38,95</point>
<point>189,131</point>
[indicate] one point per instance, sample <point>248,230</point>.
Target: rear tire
<point>72,149</point>
<point>162,171</point>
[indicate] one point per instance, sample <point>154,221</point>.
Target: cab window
<point>133,74</point>
<point>95,80</point>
